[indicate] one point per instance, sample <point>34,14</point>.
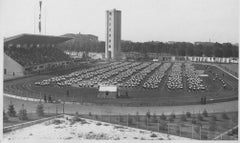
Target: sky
<point>142,20</point>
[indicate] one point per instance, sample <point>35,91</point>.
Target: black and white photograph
<point>119,70</point>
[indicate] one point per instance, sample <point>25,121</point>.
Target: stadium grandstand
<point>31,53</point>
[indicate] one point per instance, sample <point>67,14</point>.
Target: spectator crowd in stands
<point>36,55</point>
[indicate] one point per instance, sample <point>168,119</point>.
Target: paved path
<point>81,109</point>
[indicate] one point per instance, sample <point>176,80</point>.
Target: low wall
<point>27,124</point>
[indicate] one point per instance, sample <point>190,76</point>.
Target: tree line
<point>174,49</point>
<point>182,48</point>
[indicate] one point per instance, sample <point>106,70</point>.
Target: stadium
<point>65,85</point>
<point>150,83</point>
<point>156,89</point>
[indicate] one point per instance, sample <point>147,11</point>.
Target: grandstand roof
<point>35,39</point>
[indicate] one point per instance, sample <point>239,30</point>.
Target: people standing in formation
<point>195,83</point>
<point>135,75</point>
<point>216,77</point>
<point>175,80</point>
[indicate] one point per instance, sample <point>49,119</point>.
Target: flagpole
<point>34,18</point>
<point>45,20</point>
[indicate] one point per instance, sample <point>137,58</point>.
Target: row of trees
<point>22,114</point>
<point>182,48</point>
<point>175,49</point>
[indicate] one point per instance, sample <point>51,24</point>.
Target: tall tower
<point>113,34</point>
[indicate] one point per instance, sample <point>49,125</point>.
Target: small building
<point>107,91</point>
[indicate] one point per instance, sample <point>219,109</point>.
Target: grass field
<point>138,96</point>
<point>232,68</point>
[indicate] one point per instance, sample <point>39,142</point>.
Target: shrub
<point>183,118</point>
<point>76,114</point>
<point>214,118</point>
<point>163,126</point>
<point>188,114</point>
<point>173,115</point>
<point>148,114</point>
<point>199,117</point>
<point>197,129</point>
<point>130,121</point>
<point>224,115</point>
<point>153,135</point>
<point>204,137</point>
<point>76,119</point>
<point>194,121</point>
<point>5,118</point>
<point>146,121</point>
<point>22,115</point>
<point>121,119</point>
<point>89,114</point>
<point>11,111</point>
<point>56,122</point>
<point>170,118</point>
<point>235,131</point>
<point>177,129</point>
<point>137,117</point>
<point>205,113</point>
<point>212,126</point>
<point>163,117</point>
<point>40,110</point>
<point>154,118</point>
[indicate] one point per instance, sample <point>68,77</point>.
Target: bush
<point>136,117</point>
<point>224,115</point>
<point>89,114</point>
<point>22,115</point>
<point>76,114</point>
<point>199,117</point>
<point>214,118</point>
<point>130,120</point>
<point>154,118</point>
<point>163,117</point>
<point>56,122</point>
<point>173,115</point>
<point>148,114</point>
<point>194,121</point>
<point>204,137</point>
<point>163,126</point>
<point>212,126</point>
<point>183,118</point>
<point>205,113</point>
<point>11,111</point>
<point>170,118</point>
<point>5,118</point>
<point>188,114</point>
<point>177,129</point>
<point>40,110</point>
<point>121,119</point>
<point>153,135</point>
<point>197,129</point>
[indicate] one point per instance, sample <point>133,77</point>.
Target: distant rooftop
<point>35,39</point>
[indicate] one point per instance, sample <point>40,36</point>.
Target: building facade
<point>113,34</point>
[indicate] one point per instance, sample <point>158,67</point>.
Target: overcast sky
<point>142,20</point>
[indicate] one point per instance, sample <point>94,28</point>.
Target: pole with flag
<point>39,24</point>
